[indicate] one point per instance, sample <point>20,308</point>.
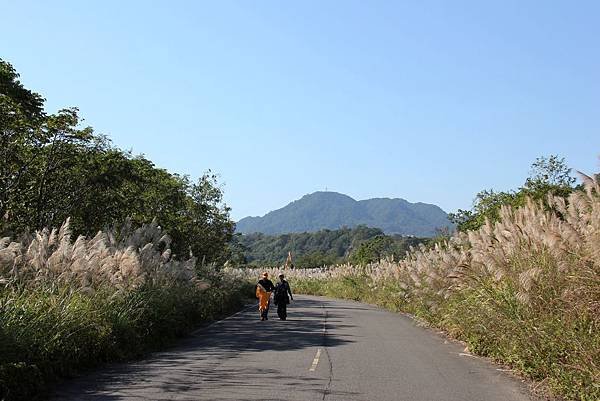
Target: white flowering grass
<point>524,291</point>
<point>67,304</point>
<point>123,262</point>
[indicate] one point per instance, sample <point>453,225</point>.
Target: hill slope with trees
<point>358,245</point>
<point>332,210</point>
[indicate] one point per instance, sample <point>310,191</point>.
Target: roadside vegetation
<point>523,288</point>
<point>88,273</point>
<point>107,283</point>
<point>66,304</point>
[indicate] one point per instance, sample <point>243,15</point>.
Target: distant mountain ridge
<point>332,210</point>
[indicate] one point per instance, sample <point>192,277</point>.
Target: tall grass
<point>67,305</point>
<point>116,260</point>
<point>524,291</point>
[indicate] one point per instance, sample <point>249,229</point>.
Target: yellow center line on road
<point>315,362</point>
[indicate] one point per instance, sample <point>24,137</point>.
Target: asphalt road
<point>327,350</point>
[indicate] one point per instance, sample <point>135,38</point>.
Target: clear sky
<point>430,101</point>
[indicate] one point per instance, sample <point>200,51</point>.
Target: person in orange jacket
<point>264,288</point>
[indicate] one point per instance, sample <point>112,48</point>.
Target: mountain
<point>332,210</point>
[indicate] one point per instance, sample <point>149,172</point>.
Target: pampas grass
<point>524,291</point>
<point>114,260</point>
<point>68,304</point>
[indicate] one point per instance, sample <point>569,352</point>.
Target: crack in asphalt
<point>327,389</point>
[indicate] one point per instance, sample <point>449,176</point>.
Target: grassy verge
<point>47,334</point>
<point>545,343</point>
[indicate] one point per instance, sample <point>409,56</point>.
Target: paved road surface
<point>327,350</point>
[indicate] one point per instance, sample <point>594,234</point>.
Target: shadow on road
<point>196,364</point>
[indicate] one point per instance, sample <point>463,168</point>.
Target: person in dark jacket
<point>263,290</point>
<point>283,294</point>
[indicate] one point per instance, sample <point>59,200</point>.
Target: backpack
<point>281,291</point>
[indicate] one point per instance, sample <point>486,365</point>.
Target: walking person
<point>264,287</point>
<point>283,294</point>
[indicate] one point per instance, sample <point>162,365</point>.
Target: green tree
<point>20,136</point>
<point>548,175</point>
<point>372,250</point>
<point>550,172</point>
<point>208,226</point>
<point>29,104</point>
<point>52,169</point>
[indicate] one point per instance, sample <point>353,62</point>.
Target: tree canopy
<point>52,168</point>
<point>358,245</point>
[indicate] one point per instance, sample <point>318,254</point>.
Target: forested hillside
<point>326,247</point>
<point>332,210</point>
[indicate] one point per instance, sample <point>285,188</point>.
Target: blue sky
<point>430,101</point>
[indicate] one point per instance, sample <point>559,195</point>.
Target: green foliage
<point>487,205</point>
<point>52,169</point>
<point>549,172</point>
<point>383,246</point>
<point>28,104</point>
<point>548,175</point>
<point>321,248</point>
<point>316,258</point>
